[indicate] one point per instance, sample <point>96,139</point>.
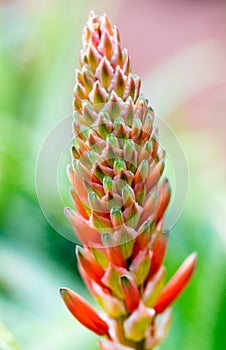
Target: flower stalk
<point>120,200</point>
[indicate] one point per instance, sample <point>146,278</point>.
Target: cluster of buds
<point>120,200</point>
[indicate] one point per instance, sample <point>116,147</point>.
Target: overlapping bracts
<point>120,199</point>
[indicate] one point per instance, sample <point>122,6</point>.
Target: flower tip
<point>194,256</point>
<point>191,262</point>
<point>65,295</point>
<point>64,292</point>
<point>124,280</point>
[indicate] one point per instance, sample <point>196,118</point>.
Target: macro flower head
<point>120,198</point>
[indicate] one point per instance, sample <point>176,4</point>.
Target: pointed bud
<point>164,198</point>
<point>112,250</point>
<point>132,215</point>
<point>116,59</point>
<point>95,203</point>
<point>74,153</point>
<point>116,217</point>
<point>137,324</point>
<point>126,63</point>
<point>130,87</point>
<point>93,156</point>
<point>80,309</point>
<point>86,234</point>
<point>128,148</point>
<point>177,283</point>
<point>80,91</point>
<point>158,256</point>
<point>141,173</point>
<point>95,142</point>
<point>76,182</point>
<point>147,127</point>
<point>89,264</point>
<point>127,196</point>
<point>107,184</point>
<point>106,24</point>
<point>105,45</point>
<point>79,78</point>
<point>146,151</point>
<point>121,130</point>
<point>140,266</point>
<point>140,192</point>
<point>143,236</point>
<point>77,102</point>
<point>141,109</point>
<point>125,240</point>
<point>98,94</point>
<point>136,131</point>
<point>132,295</point>
<point>128,112</point>
<point>154,288</point>
<point>119,166</point>
<point>81,208</point>
<point>130,155</point>
<point>88,78</point>
<point>88,112</point>
<point>104,72</point>
<point>111,139</point>
<point>104,125</point>
<point>81,170</point>
<point>154,175</point>
<point>93,57</point>
<point>86,34</point>
<point>155,145</point>
<point>150,207</point>
<point>118,82</point>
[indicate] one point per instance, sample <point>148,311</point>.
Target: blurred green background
<point>178,48</point>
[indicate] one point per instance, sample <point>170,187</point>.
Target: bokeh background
<point>178,47</point>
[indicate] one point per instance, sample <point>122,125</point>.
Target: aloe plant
<point>120,197</point>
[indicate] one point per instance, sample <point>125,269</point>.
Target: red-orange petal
<point>113,251</point>
<point>89,264</point>
<point>164,199</point>
<point>88,235</point>
<point>83,312</point>
<point>78,204</point>
<point>177,283</point>
<point>131,292</point>
<point>158,255</point>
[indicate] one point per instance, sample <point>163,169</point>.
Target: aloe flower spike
<point>120,199</point>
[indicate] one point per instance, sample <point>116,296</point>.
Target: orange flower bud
<point>177,283</point>
<point>83,312</point>
<point>87,234</point>
<point>132,295</point>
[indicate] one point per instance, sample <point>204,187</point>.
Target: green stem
<point>140,346</point>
